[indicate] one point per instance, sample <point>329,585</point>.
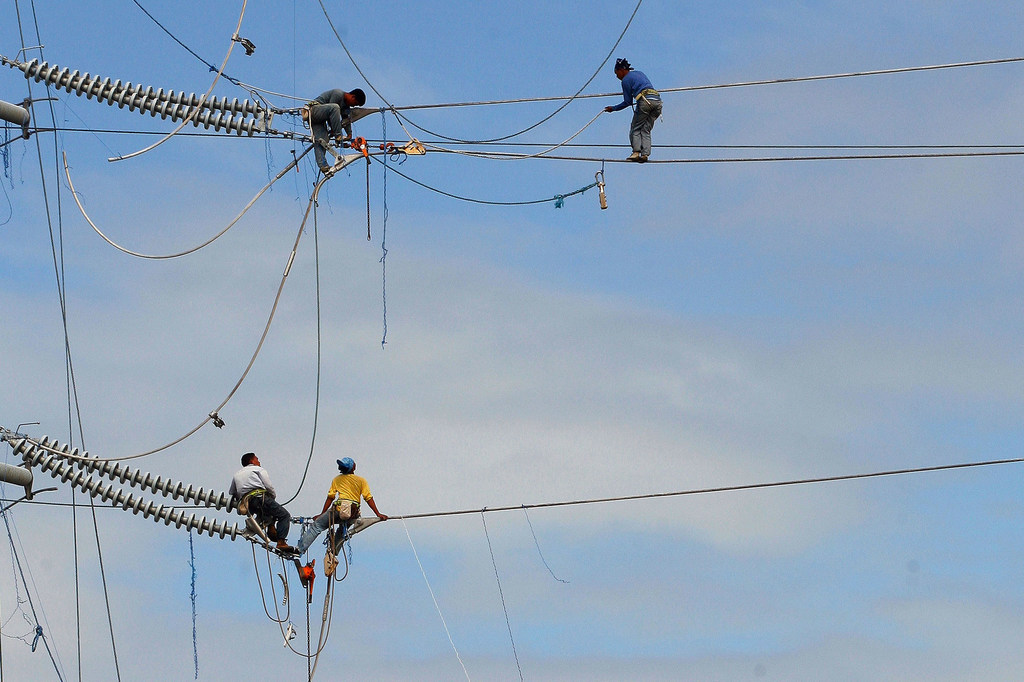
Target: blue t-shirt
<point>633,84</point>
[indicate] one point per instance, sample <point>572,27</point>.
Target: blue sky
<point>720,324</point>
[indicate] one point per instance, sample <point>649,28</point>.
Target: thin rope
<point>540,553</point>
<point>434,598</point>
<point>501,594</point>
<point>74,194</point>
<point>496,139</point>
<point>384,237</point>
<point>202,100</point>
<point>192,564</point>
<point>723,489</point>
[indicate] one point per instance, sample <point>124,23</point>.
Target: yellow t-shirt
<point>350,487</point>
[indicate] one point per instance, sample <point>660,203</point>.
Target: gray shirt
<point>250,478</point>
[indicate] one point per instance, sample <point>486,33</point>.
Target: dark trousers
<point>266,508</point>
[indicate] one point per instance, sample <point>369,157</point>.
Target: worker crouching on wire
<point>636,87</point>
<point>329,119</point>
<point>254,494</point>
<point>341,507</point>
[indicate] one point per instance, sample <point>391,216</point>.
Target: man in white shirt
<point>252,483</point>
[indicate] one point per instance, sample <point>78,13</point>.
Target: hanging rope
<point>501,594</point>
<point>384,236</point>
<point>543,560</point>
<point>434,598</point>
<point>192,564</point>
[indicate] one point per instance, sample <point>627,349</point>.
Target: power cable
<point>316,406</point>
<point>754,159</point>
<point>122,249</point>
<point>721,489</point>
<point>719,86</point>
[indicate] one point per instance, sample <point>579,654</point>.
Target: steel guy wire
<point>722,489</point>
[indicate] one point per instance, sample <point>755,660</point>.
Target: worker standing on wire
<point>329,119</point>
<point>254,494</point>
<point>636,87</point>
<point>341,507</point>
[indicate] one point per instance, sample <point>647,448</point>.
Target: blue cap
<point>346,465</point>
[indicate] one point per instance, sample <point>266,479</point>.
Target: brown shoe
<point>285,548</point>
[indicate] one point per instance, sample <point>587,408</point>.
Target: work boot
<point>643,158</point>
<point>635,156</point>
<point>330,563</point>
<point>285,548</point>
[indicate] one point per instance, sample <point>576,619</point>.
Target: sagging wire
<point>558,198</point>
<point>192,114</point>
<point>496,139</point>
<point>319,355</point>
<point>179,254</point>
<point>259,346</point>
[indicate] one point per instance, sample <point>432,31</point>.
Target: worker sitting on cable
<point>341,507</point>
<point>254,494</point>
<point>329,118</point>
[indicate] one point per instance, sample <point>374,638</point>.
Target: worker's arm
<point>369,501</point>
<point>327,503</point>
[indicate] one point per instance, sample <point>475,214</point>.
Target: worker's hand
<point>608,109</point>
<point>382,517</point>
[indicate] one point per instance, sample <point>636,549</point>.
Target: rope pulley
<point>599,177</point>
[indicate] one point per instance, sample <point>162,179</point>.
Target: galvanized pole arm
<point>16,114</point>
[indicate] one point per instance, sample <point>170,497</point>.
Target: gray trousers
<point>645,113</point>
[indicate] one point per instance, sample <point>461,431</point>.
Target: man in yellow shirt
<point>340,507</point>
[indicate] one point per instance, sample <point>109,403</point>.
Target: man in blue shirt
<point>637,88</point>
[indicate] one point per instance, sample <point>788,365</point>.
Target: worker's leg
<point>313,530</point>
<point>321,124</point>
<point>647,112</point>
<point>280,516</point>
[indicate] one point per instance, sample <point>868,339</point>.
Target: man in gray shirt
<point>252,484</point>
